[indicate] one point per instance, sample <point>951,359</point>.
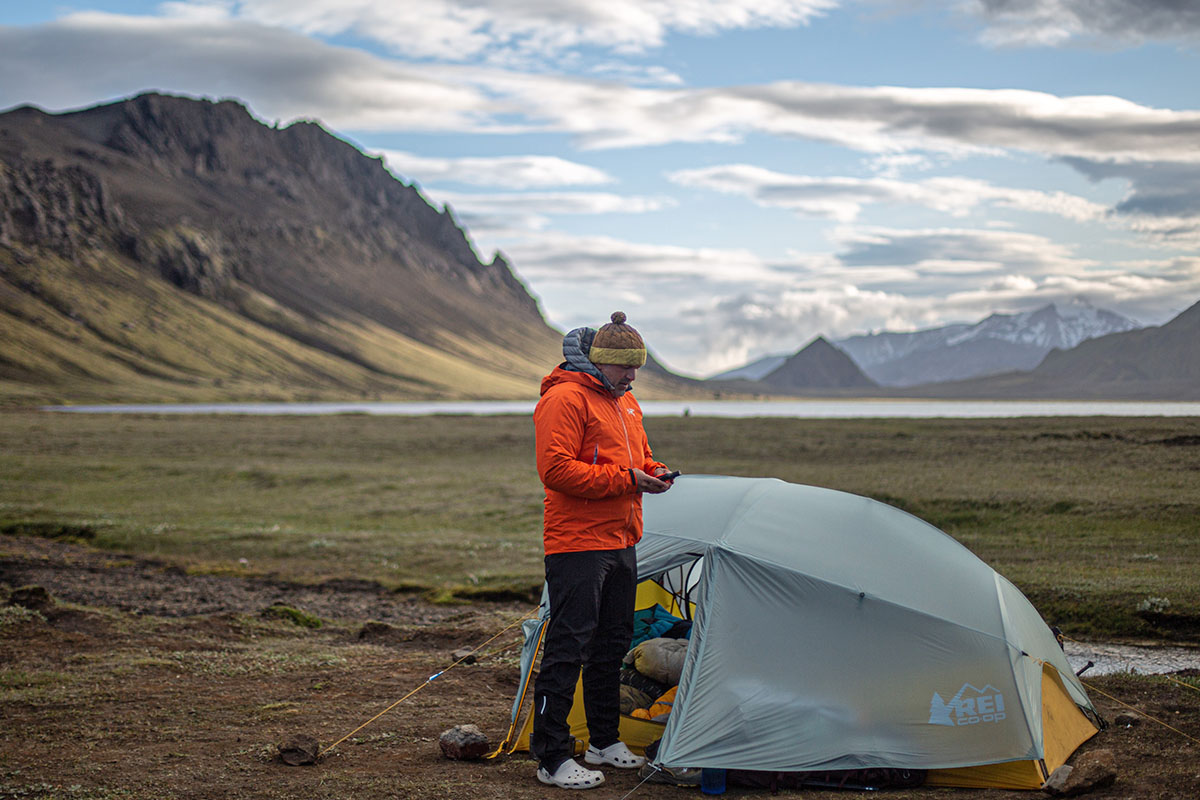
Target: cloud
<point>494,218</point>
<point>84,57</point>
<point>940,251</point>
<point>555,257</point>
<point>513,172</point>
<point>579,279</point>
<point>843,198</point>
<point>739,328</point>
<point>891,165</point>
<point>961,121</point>
<point>503,31</point>
<point>1152,291</point>
<point>285,75</point>
<point>711,310</point>
<point>652,75</point>
<point>1034,23</point>
<point>556,202</point>
<point>881,120</point>
<point>200,10</point>
<point>1149,292</point>
<point>1163,200</point>
<point>707,310</point>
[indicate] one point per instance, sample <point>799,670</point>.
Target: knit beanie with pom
<point>618,343</point>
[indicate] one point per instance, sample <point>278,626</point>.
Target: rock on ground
<point>1057,780</point>
<point>1092,771</point>
<point>464,742</point>
<point>299,750</point>
<point>35,598</point>
<point>1127,719</point>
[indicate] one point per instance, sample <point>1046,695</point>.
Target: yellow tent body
<point>1065,727</point>
<point>635,733</point>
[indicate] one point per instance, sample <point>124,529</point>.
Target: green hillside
<point>102,331</point>
<point>170,249</point>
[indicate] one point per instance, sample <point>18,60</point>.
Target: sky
<point>737,176</point>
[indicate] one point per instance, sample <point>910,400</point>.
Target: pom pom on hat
<point>618,343</point>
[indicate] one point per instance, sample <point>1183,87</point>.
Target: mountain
<point>819,365</point>
<point>168,248</point>
<point>1159,363</point>
<point>755,370</point>
<point>1000,343</point>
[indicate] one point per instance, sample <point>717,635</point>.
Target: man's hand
<point>648,483</point>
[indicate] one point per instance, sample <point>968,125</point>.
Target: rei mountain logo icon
<point>970,706</point>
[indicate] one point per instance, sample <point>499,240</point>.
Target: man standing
<point>595,462</point>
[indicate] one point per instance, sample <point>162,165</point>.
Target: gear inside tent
<point>831,632</point>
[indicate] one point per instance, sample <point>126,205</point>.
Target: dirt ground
<point>139,680</point>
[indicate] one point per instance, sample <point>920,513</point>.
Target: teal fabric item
<point>651,623</point>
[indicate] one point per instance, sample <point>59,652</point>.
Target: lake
<point>805,409</point>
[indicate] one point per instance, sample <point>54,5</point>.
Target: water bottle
<point>712,780</point>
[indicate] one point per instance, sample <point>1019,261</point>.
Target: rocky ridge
<point>280,262</point>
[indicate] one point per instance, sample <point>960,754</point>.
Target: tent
<point>834,632</point>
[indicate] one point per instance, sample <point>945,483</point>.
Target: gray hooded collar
<point>576,346</point>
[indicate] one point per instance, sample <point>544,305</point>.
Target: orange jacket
<point>587,442</point>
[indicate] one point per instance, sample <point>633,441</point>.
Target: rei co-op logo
<point>970,706</point>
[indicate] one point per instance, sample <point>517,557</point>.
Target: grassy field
<point>1095,519</point>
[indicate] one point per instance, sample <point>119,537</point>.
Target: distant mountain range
<point>1159,363</point>
<point>166,248</point>
<point>1072,351</point>
<point>1000,343</point>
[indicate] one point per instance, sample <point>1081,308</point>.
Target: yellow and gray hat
<point>618,343</point>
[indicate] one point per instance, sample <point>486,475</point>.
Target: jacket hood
<point>576,345</point>
<point>561,374</point>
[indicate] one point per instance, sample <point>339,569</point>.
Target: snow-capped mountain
<point>1000,343</point>
<point>1052,326</point>
<point>1153,363</point>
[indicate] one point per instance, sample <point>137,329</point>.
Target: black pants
<point>591,625</point>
